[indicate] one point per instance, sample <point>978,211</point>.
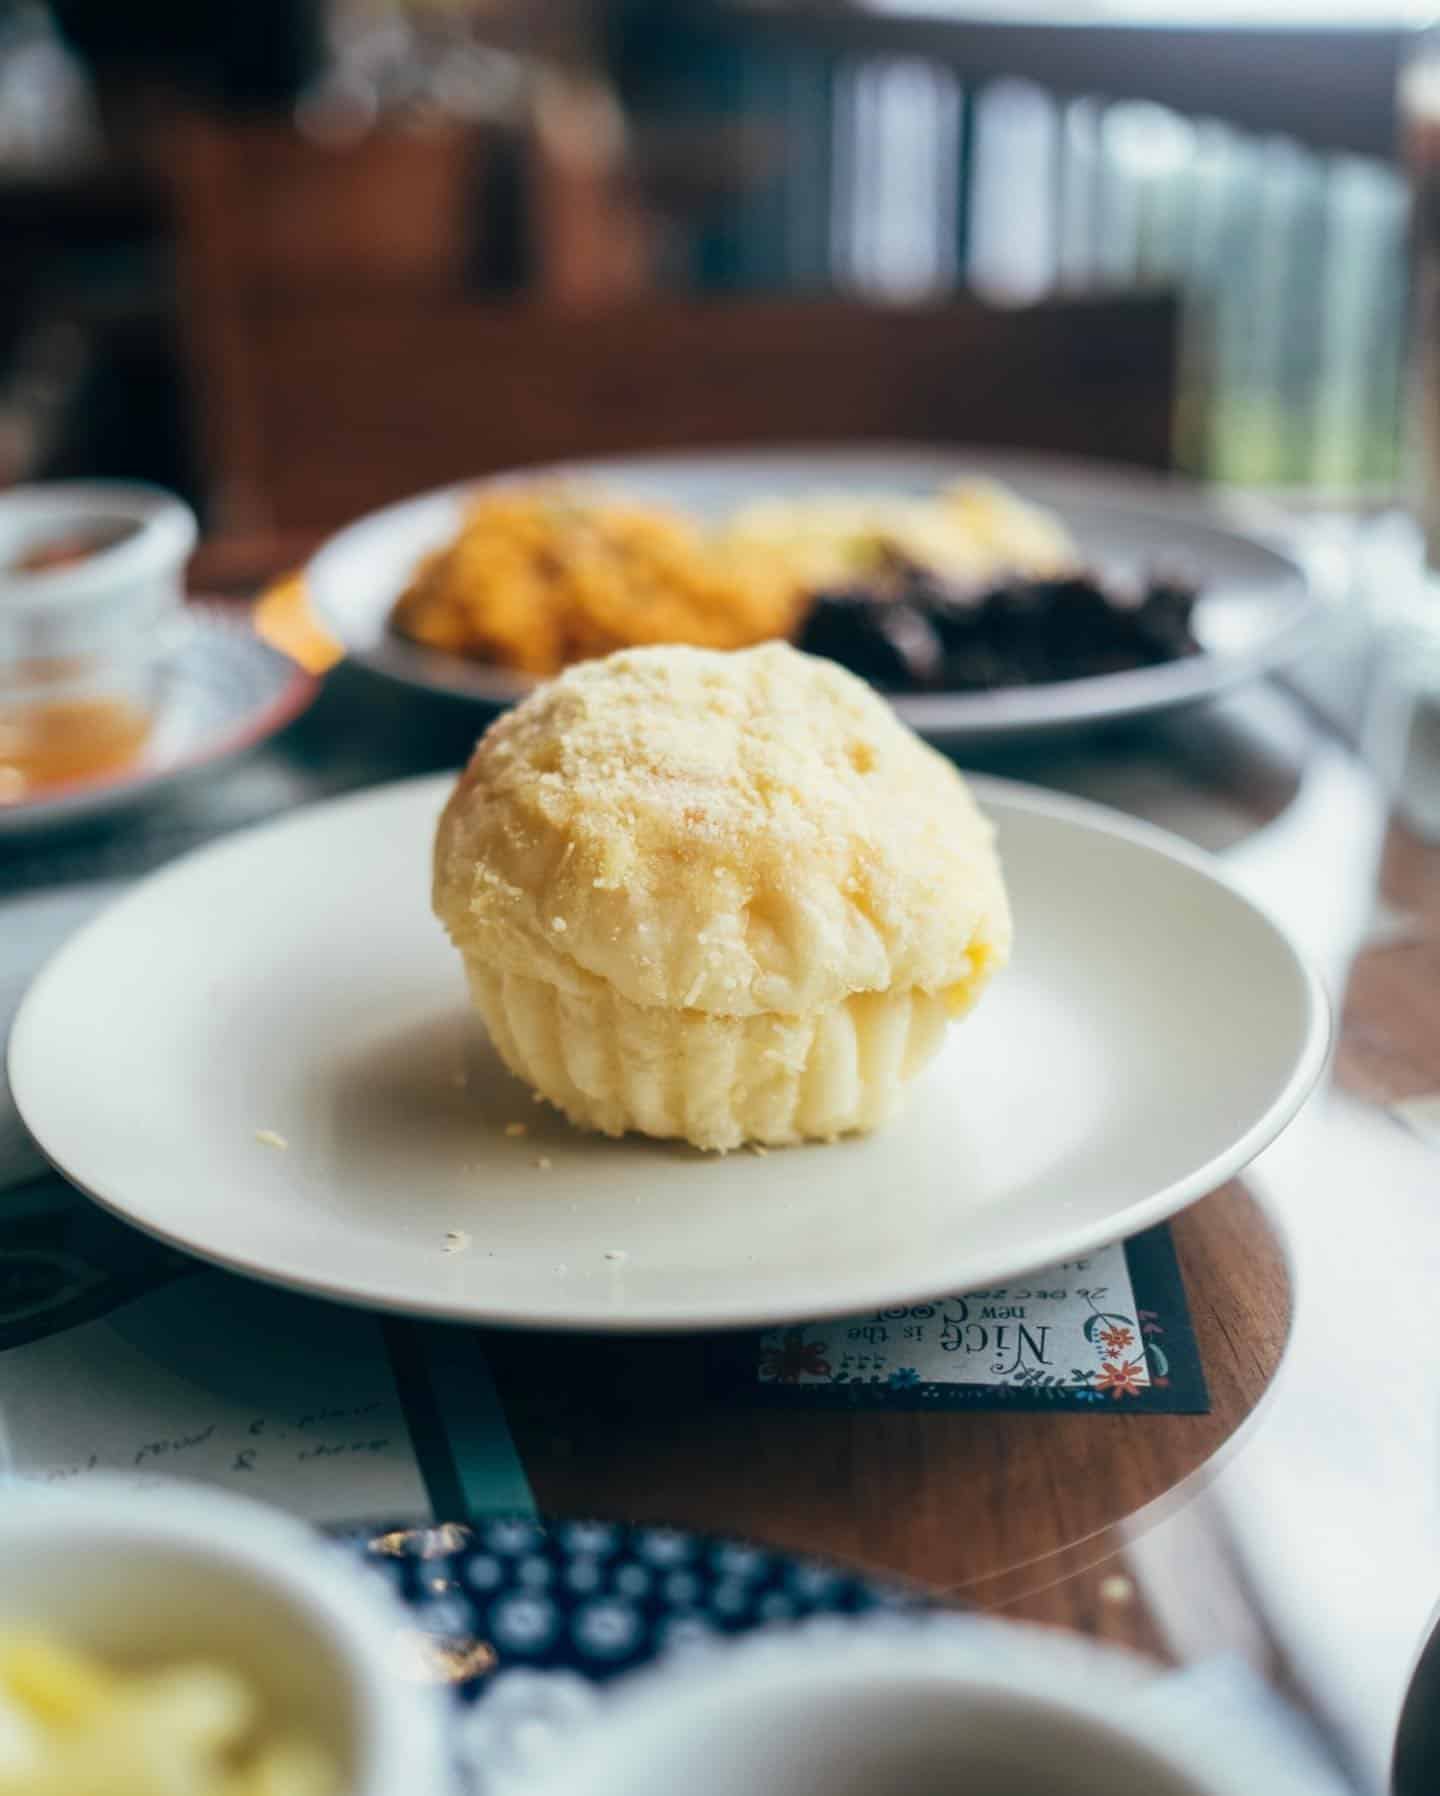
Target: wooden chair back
<point>354,401</point>
<point>266,216</point>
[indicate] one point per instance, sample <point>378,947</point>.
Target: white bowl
<point>115,599</point>
<point>183,1572</point>
<point>870,1707</point>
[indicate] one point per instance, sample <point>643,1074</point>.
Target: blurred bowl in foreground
<point>945,1703</point>
<point>183,1575</point>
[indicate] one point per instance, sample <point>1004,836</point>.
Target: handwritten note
<point>228,1383</point>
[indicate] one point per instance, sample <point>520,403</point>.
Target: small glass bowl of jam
<point>91,597</point>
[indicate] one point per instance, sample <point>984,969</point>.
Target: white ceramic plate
<point>1256,609</point>
<point>225,691</point>
<point>1153,1033</point>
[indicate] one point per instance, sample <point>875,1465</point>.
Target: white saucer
<point>1153,1033</point>
<point>224,691</point>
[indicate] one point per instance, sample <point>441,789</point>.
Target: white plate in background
<point>1256,609</point>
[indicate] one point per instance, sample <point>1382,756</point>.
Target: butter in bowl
<point>179,1642</point>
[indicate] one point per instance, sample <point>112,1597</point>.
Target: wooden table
<point>989,1506</point>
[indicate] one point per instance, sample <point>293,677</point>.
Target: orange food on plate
<point>538,579</point>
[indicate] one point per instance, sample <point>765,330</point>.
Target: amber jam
<point>46,742</point>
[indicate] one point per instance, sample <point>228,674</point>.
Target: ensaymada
<point>725,897</point>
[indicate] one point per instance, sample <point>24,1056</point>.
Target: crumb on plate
<point>456,1241</point>
<point>268,1138</point>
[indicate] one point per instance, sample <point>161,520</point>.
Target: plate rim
<point>1072,1242</point>
<point>941,716</point>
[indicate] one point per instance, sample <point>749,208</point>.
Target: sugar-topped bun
<point>674,875</point>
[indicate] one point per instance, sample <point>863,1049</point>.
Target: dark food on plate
<point>906,631</point>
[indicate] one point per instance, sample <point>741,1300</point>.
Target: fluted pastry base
<point>715,1081</point>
